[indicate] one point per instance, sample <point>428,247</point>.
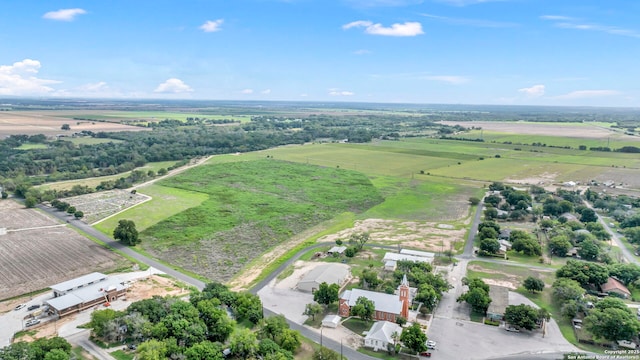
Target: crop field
<point>252,207</point>
<point>49,123</point>
<point>36,252</point>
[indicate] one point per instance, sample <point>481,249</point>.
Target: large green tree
<point>364,308</point>
<point>612,323</point>
<point>584,272</point>
<point>533,284</point>
<point>565,289</point>
<point>326,294</point>
<point>522,316</point>
<point>126,233</point>
<point>414,338</point>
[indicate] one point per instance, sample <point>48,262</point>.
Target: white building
<point>381,335</point>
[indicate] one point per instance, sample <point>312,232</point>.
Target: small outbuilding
<point>329,273</point>
<point>390,265</point>
<point>499,301</point>
<point>614,286</point>
<point>337,250</point>
<point>331,321</point>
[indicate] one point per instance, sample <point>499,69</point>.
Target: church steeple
<point>403,290</point>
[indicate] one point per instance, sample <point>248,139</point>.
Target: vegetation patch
<point>251,207</point>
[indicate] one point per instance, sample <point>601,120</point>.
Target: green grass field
<point>250,207</point>
<point>157,209</point>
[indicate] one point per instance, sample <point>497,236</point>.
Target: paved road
<point>468,247</point>
<point>614,235</point>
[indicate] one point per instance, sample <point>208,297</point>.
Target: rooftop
<point>383,302</point>
<point>79,281</point>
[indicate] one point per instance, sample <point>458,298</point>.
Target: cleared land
<point>49,123</point>
<point>252,207</point>
<point>36,252</point>
<point>100,205</point>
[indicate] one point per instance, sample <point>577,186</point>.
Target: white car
<point>19,307</point>
<point>32,322</point>
<point>431,344</point>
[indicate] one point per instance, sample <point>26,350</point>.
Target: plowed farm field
<point>37,251</point>
<point>50,123</point>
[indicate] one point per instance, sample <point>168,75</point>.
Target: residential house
<point>381,335</point>
<point>614,286</point>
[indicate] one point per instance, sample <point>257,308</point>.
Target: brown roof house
<point>614,286</point>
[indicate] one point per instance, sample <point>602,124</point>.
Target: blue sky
<point>529,52</point>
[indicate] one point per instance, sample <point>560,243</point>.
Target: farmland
<point>37,252</point>
<point>50,123</point>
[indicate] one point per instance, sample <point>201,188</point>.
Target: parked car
<point>132,346</point>
<point>19,307</point>
<point>512,328</point>
<point>425,354</point>
<point>32,322</point>
<point>431,344</point>
<point>33,307</point>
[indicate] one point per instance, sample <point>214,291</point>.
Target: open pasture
<point>49,123</point>
<point>585,130</point>
<point>36,252</point>
<point>165,202</point>
<point>251,207</point>
<point>100,205</point>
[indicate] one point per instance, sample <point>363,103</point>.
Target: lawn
<point>357,325</point>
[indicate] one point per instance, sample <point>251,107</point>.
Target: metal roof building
<point>77,283</point>
<point>329,273</point>
<point>82,296</point>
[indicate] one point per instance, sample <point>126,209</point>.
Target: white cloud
<point>566,22</point>
<point>450,79</point>
<point>471,22</point>
<point>556,17</point>
<point>173,86</point>
<point>362,52</point>
<point>586,94</point>
<point>20,79</point>
<point>376,3</point>
<point>405,29</point>
<point>95,87</point>
<point>64,14</point>
<point>212,26</point>
<point>337,92</point>
<point>304,95</point>
<point>467,2</point>
<point>266,91</point>
<point>247,91</point>
<point>534,91</point>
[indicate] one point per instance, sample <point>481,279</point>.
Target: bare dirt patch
<point>549,129</point>
<point>37,252</point>
<point>50,124</point>
<point>420,235</point>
